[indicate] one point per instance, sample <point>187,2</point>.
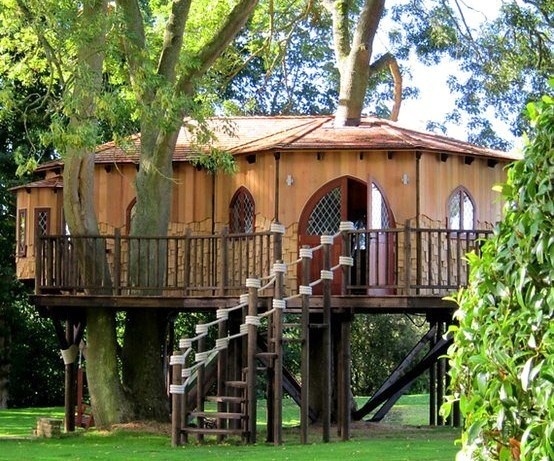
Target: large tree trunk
<point>109,403</point>
<point>108,399</point>
<point>353,52</point>
<point>145,329</point>
<point>4,362</point>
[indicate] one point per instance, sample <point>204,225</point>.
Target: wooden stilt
<point>440,378</point>
<point>70,380</point>
<point>345,373</point>
<point>433,382</point>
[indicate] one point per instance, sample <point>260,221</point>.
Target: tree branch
<point>135,41</point>
<point>221,38</point>
<point>173,39</point>
<point>388,60</point>
<point>339,11</point>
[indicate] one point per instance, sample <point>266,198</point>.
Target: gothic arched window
<point>241,212</point>
<point>461,210</point>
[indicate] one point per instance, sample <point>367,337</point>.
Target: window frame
<point>459,194</point>
<point>239,197</point>
<point>22,226</point>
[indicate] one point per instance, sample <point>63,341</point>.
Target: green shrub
<point>502,358</point>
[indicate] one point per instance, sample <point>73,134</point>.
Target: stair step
<point>216,415</point>
<point>317,326</point>
<point>224,399</point>
<point>240,384</point>
<point>212,431</point>
<point>267,355</point>
<point>292,340</point>
<point>291,325</point>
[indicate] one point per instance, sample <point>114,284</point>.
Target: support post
<point>344,384</point>
<point>70,378</point>
<point>306,256</point>
<point>177,392</point>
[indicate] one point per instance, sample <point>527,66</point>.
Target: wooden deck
<point>391,270</point>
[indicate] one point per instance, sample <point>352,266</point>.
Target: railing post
<point>176,389</point>
<point>327,276</point>
<point>38,264</point>
<point>347,252</point>
<point>224,278</point>
<point>305,291</point>
<point>252,322</point>
<point>200,378</point>
<point>279,269</point>
<point>186,263</point>
<point>117,262</point>
<point>407,256</point>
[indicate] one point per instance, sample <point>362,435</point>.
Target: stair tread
<point>217,414</point>
<point>224,399</point>
<point>215,431</point>
<point>236,383</point>
<point>268,355</point>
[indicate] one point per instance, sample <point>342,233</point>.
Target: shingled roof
<point>248,135</point>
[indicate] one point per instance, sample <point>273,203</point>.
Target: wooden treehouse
<point>319,224</point>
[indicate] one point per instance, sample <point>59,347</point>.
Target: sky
<point>435,99</point>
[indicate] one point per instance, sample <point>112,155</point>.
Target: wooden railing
<point>402,261</point>
<point>411,261</point>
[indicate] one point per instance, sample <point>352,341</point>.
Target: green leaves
<point>502,356</point>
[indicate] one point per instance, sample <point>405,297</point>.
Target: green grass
<point>390,441</point>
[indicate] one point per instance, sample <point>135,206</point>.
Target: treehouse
<point>339,221</point>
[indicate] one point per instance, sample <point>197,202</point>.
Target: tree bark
<point>108,399</point>
<point>145,329</point>
<point>353,56</point>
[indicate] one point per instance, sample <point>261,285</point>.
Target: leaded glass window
<point>461,210</point>
<point>22,233</point>
<point>380,217</point>
<point>326,215</point>
<point>42,221</point>
<point>241,219</point>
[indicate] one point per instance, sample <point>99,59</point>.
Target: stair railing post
<point>279,269</point>
<point>327,276</point>
<point>305,291</point>
<point>176,389</point>
<point>200,378</point>
<point>252,322</point>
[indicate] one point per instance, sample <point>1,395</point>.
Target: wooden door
<point>381,246</point>
<point>344,199</point>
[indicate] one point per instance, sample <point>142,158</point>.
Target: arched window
<point>130,215</point>
<point>461,210</point>
<point>241,212</point>
<point>326,216</point>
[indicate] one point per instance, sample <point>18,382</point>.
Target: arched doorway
<point>349,199</point>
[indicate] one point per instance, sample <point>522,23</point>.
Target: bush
<point>502,358</point>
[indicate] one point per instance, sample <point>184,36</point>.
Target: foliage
<point>281,64</point>
<point>379,343</point>
<point>503,64</point>
<point>503,355</point>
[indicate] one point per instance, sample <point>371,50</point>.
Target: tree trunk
<point>109,404</point>
<point>143,363</point>
<point>353,55</point>
<point>4,362</point>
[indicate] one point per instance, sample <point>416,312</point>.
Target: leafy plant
<point>502,358</point>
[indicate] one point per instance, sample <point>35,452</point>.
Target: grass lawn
<point>391,440</point>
